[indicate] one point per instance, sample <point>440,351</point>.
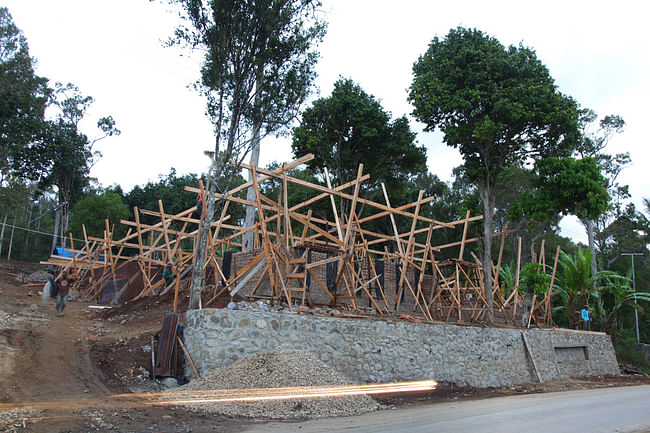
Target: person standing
<point>168,274</point>
<point>65,284</point>
<point>586,318</point>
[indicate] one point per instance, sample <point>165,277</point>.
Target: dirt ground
<point>75,362</point>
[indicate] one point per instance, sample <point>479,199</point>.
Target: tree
<point>351,127</point>
<point>63,156</point>
<point>170,189</point>
<point>498,106</point>
<point>284,75</point>
<point>93,209</point>
<point>592,146</point>
<point>534,281</point>
<point>565,186</point>
<point>257,69</point>
<point>23,95</point>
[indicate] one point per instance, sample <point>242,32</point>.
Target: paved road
<point>625,409</point>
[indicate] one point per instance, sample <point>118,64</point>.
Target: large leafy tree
<point>63,156</point>
<point>23,95</point>
<point>350,127</point>
<point>257,70</point>
<point>498,106</point>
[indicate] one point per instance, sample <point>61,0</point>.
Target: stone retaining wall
<point>386,351</point>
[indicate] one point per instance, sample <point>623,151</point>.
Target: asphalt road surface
<point>625,409</point>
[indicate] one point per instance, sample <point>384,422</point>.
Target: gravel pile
<point>280,369</point>
<point>5,320</point>
<point>15,420</point>
<point>37,277</point>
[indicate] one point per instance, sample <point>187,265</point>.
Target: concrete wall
<point>385,351</point>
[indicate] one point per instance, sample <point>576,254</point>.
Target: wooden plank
<point>187,356</point>
<point>323,262</point>
<point>334,210</point>
<point>353,206</point>
<point>331,191</point>
<point>532,358</point>
<point>248,276</point>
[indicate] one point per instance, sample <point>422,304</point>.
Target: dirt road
<point>625,409</point>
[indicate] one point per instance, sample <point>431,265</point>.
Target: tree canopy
<point>257,70</point>
<point>23,95</point>
<point>498,106</point>
<point>350,127</point>
<point>565,186</point>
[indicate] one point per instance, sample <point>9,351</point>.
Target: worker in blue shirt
<point>586,318</point>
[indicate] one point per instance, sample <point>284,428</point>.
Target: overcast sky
<point>597,52</point>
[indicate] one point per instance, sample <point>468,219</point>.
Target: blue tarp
<point>67,252</point>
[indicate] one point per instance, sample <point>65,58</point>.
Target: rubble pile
<point>36,277</point>
<point>288,368</point>
<point>14,420</point>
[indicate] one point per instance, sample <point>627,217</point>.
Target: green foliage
<point>508,278</point>
<point>93,210</point>
<point>496,105</point>
<point>259,62</point>
<point>628,231</point>
<point>14,195</point>
<point>351,127</point>
<point>564,186</point>
<point>533,279</point>
<point>31,237</point>
<point>170,190</point>
<point>607,292</point>
<point>23,95</point>
<point>626,351</point>
<point>499,107</point>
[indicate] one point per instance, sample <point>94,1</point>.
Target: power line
<point>36,231</point>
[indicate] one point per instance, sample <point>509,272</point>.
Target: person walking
<point>586,318</point>
<point>65,284</point>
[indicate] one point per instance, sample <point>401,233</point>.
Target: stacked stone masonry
<point>379,351</point>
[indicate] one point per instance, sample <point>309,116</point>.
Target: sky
<point>113,50</point>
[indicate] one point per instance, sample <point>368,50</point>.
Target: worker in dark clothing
<point>168,274</point>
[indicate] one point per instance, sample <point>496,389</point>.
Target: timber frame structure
<point>303,260</point>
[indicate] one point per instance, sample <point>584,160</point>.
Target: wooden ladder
<point>296,281</point>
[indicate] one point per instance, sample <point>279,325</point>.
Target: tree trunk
<point>487,194</point>
<point>65,219</point>
<point>11,239</point>
<point>589,226</point>
<point>57,218</point>
<point>250,193</point>
<point>29,221</point>
<point>2,232</point>
<point>528,305</point>
<point>38,224</point>
<point>200,246</point>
